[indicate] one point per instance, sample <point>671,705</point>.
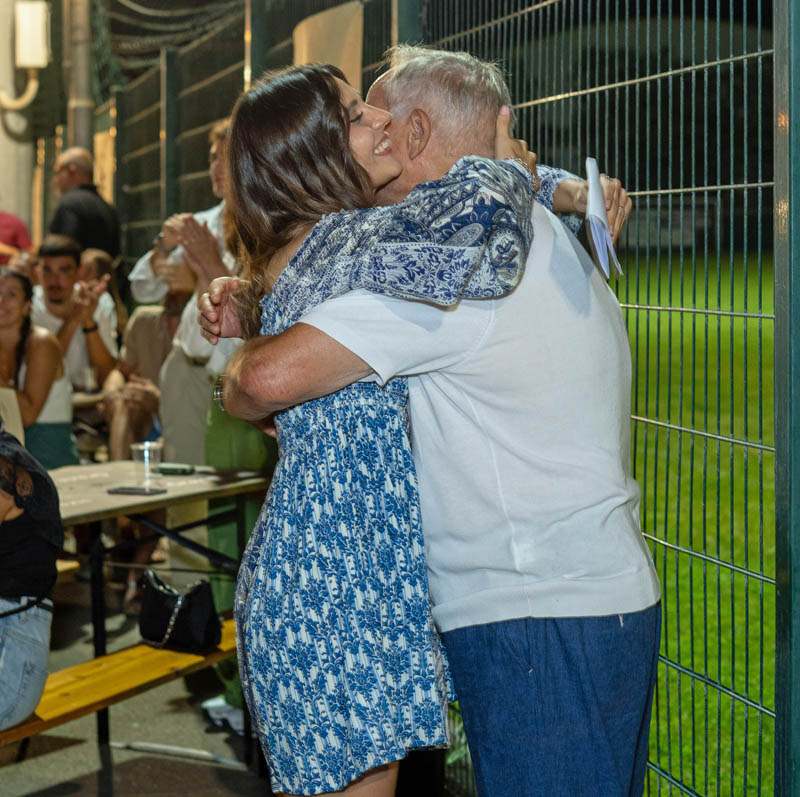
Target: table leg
<point>96,559</point>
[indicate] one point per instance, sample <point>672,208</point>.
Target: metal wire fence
<point>676,100</point>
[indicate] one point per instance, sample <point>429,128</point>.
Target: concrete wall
<point>16,146</point>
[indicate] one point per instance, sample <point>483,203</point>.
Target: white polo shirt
<point>520,416</point>
<point>148,287</point>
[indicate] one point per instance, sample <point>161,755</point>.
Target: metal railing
<point>676,100</point>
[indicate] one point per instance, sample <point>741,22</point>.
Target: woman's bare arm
<point>44,366</point>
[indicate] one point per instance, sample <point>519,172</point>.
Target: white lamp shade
<point>32,34</point>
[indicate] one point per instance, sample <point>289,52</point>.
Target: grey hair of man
<point>80,158</point>
<point>461,94</point>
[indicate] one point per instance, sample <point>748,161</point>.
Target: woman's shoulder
<point>42,336</point>
<point>42,341</point>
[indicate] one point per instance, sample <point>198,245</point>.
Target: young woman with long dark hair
<point>31,362</point>
<point>341,666</point>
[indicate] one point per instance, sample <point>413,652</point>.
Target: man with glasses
<point>82,213</point>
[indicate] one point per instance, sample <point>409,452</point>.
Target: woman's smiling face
<point>13,304</point>
<point>369,141</point>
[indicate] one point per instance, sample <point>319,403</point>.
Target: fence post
<point>787,395</point>
<point>406,27</point>
<point>168,160</point>
<point>118,95</point>
<point>255,36</point>
<point>80,103</point>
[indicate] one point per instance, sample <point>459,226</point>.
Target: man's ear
<point>419,132</point>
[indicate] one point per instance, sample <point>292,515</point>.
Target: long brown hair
<point>290,163</point>
<point>25,327</point>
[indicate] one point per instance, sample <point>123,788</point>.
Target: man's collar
<point>86,187</point>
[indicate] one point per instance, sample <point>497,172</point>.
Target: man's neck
<point>59,310</point>
<point>89,186</point>
<point>433,167</point>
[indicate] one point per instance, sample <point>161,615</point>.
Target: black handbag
<point>184,621</point>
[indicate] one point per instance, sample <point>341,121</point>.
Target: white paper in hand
<point>597,223</point>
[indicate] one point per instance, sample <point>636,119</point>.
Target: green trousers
<point>231,443</point>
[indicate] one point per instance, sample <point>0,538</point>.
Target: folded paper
<point>597,223</point>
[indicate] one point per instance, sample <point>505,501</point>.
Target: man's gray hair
<point>461,93</point>
<point>80,158</point>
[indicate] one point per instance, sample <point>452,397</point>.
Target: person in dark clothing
<point>82,213</point>
<point>30,538</point>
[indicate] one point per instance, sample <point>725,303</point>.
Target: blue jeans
<point>557,706</point>
<point>24,645</point>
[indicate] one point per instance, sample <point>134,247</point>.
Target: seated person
<point>131,401</point>
<point>131,392</point>
<point>31,363</point>
<point>190,251</point>
<point>72,310</point>
<point>30,539</point>
<point>95,265</point>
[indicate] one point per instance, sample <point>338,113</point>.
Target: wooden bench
<point>94,685</point>
<point>67,570</point>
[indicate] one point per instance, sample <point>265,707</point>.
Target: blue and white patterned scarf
<point>465,236</point>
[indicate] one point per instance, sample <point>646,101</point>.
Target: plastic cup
<point>147,457</point>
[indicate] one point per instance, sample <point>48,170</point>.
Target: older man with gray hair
<point>540,580</point>
<point>82,213</point>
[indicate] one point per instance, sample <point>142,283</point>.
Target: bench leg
<point>23,749</point>
<point>98,598</point>
<point>102,727</point>
<point>105,775</point>
<point>252,749</point>
<point>263,769</point>
<point>250,743</point>
<point>97,557</point>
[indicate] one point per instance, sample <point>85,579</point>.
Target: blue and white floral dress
<point>341,666</point>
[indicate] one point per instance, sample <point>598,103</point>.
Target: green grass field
<point>703,389</point>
